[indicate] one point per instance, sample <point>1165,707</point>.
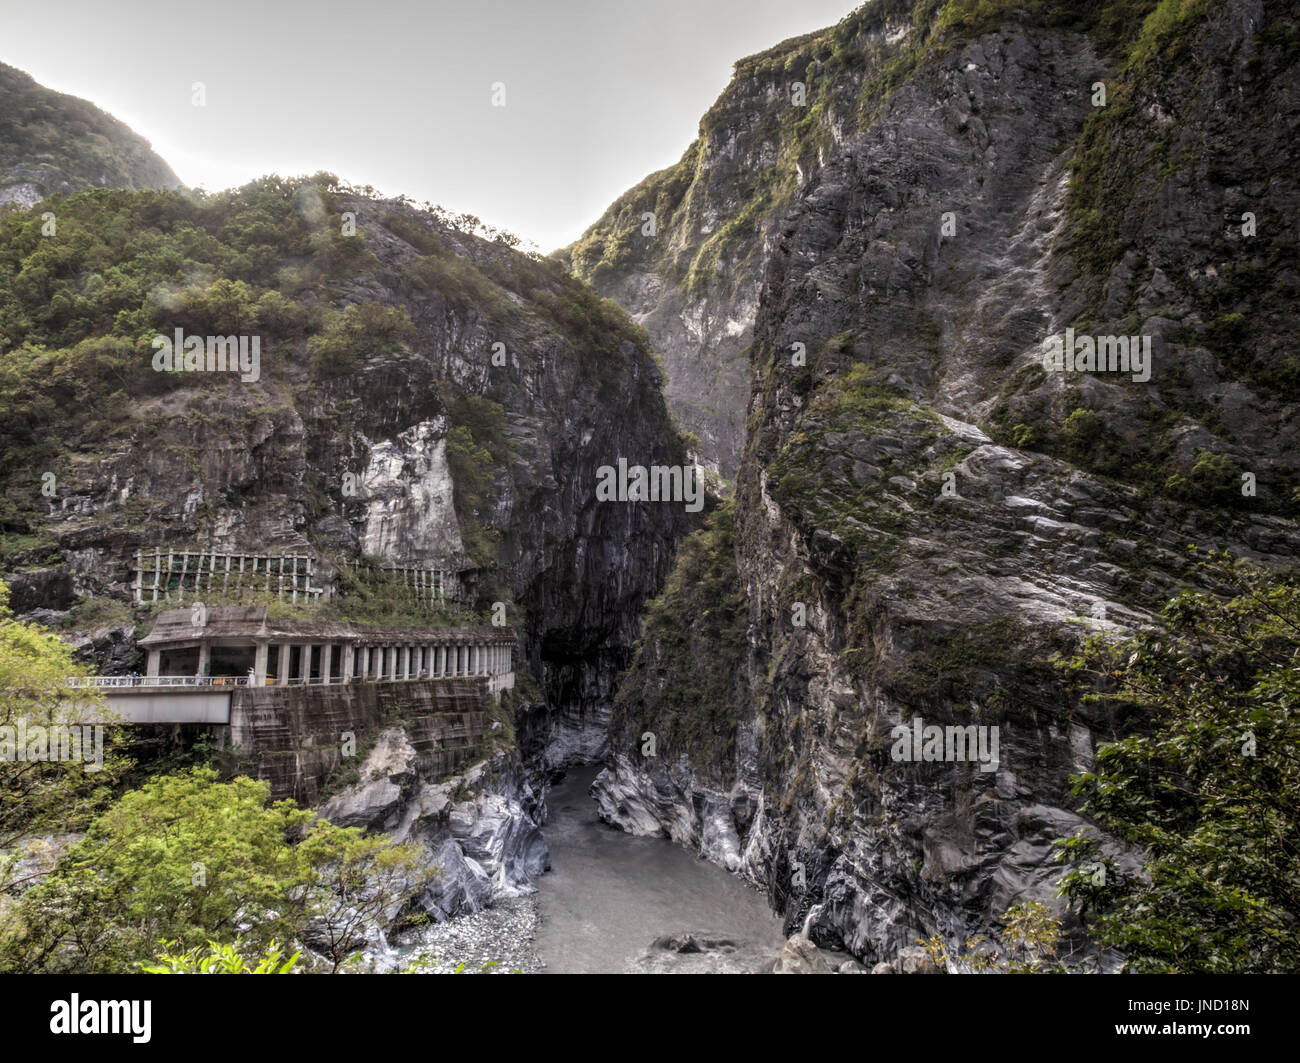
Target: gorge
<point>839,321</point>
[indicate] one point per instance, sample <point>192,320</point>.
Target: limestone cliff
<point>925,512</point>
<point>422,396</point>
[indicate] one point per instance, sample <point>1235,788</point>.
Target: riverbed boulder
<point>800,956</point>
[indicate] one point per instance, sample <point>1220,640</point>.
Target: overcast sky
<point>398,93</point>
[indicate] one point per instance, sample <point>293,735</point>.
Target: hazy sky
<point>398,93</point>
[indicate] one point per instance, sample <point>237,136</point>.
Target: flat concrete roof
<point>251,623</point>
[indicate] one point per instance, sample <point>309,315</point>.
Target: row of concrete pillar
<point>393,661</point>
<point>365,663</point>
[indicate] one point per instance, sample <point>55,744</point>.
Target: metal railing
<point>84,682</point>
<point>299,681</point>
<point>155,681</point>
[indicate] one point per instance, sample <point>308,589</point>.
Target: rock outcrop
<point>481,829</point>
<point>925,513</point>
<point>424,397</point>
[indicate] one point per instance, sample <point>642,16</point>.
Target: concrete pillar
<point>282,664</point>
<point>404,662</point>
<point>205,657</point>
<point>155,657</point>
<point>259,664</point>
<point>304,661</point>
<point>439,659</point>
<point>349,652</point>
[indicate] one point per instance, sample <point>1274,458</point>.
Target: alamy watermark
<point>918,742</point>
<point>210,354</point>
<point>61,742</point>
<point>77,1016</point>
<point>658,483</point>
<point>1099,354</point>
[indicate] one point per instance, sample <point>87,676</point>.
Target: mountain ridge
<point>55,143</point>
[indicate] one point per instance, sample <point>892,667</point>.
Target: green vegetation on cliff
<point>1207,785</point>
<point>83,296</point>
<point>59,143</point>
<point>686,685</point>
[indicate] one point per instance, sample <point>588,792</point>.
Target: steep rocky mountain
<point>51,143</point>
<point>421,396</point>
<point>898,216</point>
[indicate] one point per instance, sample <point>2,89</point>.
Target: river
<point>609,896</point>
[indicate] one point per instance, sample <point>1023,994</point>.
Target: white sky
<point>397,93</point>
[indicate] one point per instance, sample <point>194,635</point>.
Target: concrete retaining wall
<point>294,737</point>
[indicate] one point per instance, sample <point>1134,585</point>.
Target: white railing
<point>158,681</point>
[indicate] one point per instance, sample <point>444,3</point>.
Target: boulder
<point>800,956</point>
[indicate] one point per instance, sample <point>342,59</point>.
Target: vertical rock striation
<point>925,515</point>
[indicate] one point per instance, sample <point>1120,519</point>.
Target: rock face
<point>473,438</point>
<point>409,491</point>
<point>481,829</point>
<point>924,513</point>
<point>54,143</point>
<point>701,319</point>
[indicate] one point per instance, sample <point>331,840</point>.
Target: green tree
<point>184,859</point>
<point>46,795</point>
<point>1207,784</point>
<point>360,332</point>
<point>187,861</point>
<point>359,880</point>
